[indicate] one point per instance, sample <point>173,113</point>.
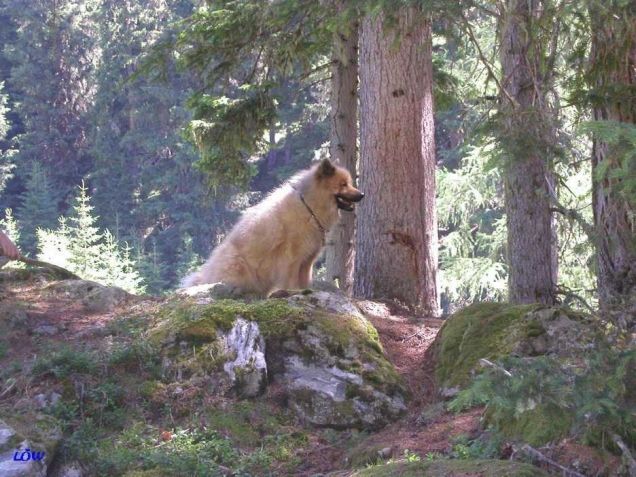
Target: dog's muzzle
<point>346,201</point>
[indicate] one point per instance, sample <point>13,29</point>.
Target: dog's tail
<point>191,280</point>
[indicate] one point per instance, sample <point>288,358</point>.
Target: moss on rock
<point>545,423</point>
<point>307,339</point>
<point>483,330</point>
<point>452,468</point>
<point>187,320</point>
<point>496,330</point>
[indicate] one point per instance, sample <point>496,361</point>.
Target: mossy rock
<point>495,330</point>
<point>544,423</point>
<point>310,338</point>
<point>452,468</point>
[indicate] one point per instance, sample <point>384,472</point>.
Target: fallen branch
<point>63,272</point>
<point>534,453</point>
<point>487,363</point>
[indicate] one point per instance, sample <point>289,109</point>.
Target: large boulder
<point>326,356</point>
<point>495,330</point>
<point>493,334</point>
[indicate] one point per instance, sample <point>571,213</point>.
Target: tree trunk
<point>396,235</point>
<point>613,79</point>
<point>527,137</point>
<point>343,149</point>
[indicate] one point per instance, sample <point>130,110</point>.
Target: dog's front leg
<point>306,270</point>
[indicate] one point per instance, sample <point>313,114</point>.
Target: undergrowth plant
<point>546,398</point>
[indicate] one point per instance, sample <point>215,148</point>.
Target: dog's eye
<point>344,184</point>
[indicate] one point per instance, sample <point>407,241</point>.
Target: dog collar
<point>302,199</point>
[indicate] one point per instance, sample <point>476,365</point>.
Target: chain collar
<point>322,229</point>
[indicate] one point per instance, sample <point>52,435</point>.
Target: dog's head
<point>337,180</point>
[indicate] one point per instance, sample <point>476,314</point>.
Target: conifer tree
<point>612,81</point>
<point>153,269</point>
<point>81,247</point>
<point>6,162</point>
<point>52,58</point>
<point>187,258</point>
<point>37,208</point>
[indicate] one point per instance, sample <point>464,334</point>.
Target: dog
<point>275,243</point>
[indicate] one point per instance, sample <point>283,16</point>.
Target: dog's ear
<point>325,169</point>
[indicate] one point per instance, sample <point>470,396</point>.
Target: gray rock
<point>40,401</point>
<point>331,302</point>
<point>48,330</point>
<point>209,292</point>
<point>73,288</point>
<point>374,308</point>
<point>334,382</point>
<point>54,398</point>
<point>94,296</point>
<point>104,299</point>
<point>248,370</point>
<point>330,381</point>
<point>6,434</point>
<point>385,453</point>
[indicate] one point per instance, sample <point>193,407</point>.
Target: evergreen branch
<point>567,293</point>
<point>469,31</point>
<point>587,228</point>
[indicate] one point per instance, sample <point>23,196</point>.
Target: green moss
<point>483,330</point>
<point>200,323</point>
<point>538,426</point>
<point>452,468</point>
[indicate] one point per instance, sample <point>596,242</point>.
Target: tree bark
<point>343,149</point>
<point>612,76</point>
<point>396,235</point>
<point>527,137</point>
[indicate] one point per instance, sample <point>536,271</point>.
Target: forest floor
<point>41,324</point>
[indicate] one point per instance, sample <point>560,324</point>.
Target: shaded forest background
<point>85,138</point>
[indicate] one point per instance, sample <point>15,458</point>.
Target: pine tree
<point>81,247</point>
<point>529,140</point>
<point>396,236</point>
<point>86,238</point>
<point>54,245</point>
<point>152,269</point>
<point>611,79</point>
<point>343,148</point>
<point>37,208</point>
<point>52,57</point>
<point>6,155</point>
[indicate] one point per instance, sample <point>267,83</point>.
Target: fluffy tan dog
<point>276,242</point>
